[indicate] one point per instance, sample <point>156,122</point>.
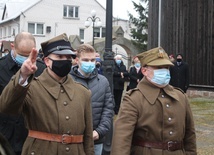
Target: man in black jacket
<point>119,77</point>
<point>12,127</point>
<point>180,73</point>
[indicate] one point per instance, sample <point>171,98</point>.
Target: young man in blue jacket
<point>102,100</point>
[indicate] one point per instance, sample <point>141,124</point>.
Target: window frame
<point>102,32</point>
<point>73,8</point>
<point>83,34</point>
<point>36,28</point>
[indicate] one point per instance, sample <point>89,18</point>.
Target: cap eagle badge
<point>161,53</point>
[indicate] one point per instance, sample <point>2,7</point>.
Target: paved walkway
<point>203,112</point>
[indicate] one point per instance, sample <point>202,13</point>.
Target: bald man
<point>12,127</point>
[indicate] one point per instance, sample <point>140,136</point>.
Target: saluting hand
<point>29,66</point>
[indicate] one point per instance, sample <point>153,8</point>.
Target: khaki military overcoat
<point>155,115</point>
<point>49,106</point>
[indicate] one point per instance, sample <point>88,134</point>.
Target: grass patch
<point>202,102</point>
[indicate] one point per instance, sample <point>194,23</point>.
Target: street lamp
<point>108,68</point>
<point>93,18</point>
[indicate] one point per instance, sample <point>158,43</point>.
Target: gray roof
<point>12,9</point>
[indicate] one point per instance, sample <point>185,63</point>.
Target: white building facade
<point>48,18</point>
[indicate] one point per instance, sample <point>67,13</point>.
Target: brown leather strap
<point>64,139</point>
<point>170,145</point>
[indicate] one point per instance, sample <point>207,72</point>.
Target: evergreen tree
<point>140,33</point>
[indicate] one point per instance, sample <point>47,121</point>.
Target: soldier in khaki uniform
<point>155,118</point>
<point>56,109</point>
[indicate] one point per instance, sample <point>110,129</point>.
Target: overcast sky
<point>120,7</point>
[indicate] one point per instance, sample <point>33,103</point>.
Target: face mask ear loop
<point>52,62</point>
<point>50,58</point>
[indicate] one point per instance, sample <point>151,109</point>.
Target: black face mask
<point>61,67</point>
<point>179,60</point>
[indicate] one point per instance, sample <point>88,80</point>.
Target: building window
<point>81,35</point>
<point>70,11</point>
<point>14,32</point>
<point>36,28</point>
<point>1,33</point>
<point>4,34</point>
<point>103,32</point>
<point>99,32</point>
<point>9,31</point>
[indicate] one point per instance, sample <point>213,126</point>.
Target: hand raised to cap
<point>29,66</point>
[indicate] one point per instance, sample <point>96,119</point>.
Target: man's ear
<point>46,61</point>
<point>77,59</point>
<point>143,70</point>
<point>12,46</point>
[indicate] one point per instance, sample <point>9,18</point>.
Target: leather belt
<point>170,145</point>
<point>64,139</point>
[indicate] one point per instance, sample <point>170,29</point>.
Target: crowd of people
<point>57,101</point>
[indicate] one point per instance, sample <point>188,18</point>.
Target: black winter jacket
<point>134,76</point>
<point>117,80</point>
<point>180,76</point>
<point>102,100</point>
<point>5,146</point>
<point>12,127</point>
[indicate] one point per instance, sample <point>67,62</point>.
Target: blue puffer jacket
<point>102,100</point>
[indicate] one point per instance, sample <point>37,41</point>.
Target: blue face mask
<point>118,62</point>
<point>87,67</point>
<point>137,65</point>
<point>98,60</point>
<point>161,77</point>
<point>20,59</point>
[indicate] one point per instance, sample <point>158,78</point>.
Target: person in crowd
<point>180,73</point>
<point>155,118</point>
<point>128,79</point>
<point>13,127</point>
<point>74,59</point>
<point>171,58</point>
<point>99,64</point>
<point>40,55</point>
<point>101,96</point>
<point>119,76</point>
<point>5,52</point>
<point>135,74</point>
<point>56,109</point>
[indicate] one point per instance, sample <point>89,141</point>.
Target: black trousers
<point>117,98</point>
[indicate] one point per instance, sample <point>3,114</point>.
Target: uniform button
<point>167,106</point>
<point>162,96</point>
<point>65,103</point>
<point>62,91</point>
<point>67,148</point>
<point>170,132</point>
<point>67,117</point>
<point>169,119</point>
<point>32,153</point>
